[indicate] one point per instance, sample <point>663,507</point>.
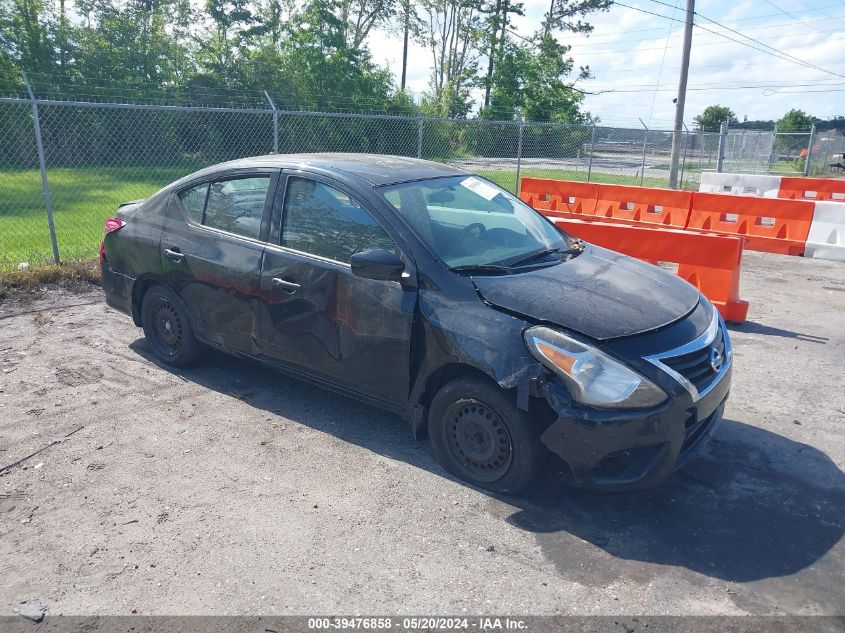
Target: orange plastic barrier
<point>559,195</point>
<point>709,262</point>
<point>644,205</point>
<point>812,189</point>
<point>609,203</point>
<point>766,224</point>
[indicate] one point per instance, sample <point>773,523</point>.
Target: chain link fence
<point>828,154</point>
<point>98,155</point>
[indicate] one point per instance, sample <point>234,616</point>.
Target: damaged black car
<point>435,294</point>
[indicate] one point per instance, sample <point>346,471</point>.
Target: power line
<point>751,39</point>
<point>745,19</point>
<point>660,71</point>
<point>772,50</point>
<point>776,52</point>
<point>789,15</point>
<point>786,13</point>
<point>622,89</point>
<point>719,84</point>
<point>766,27</point>
<point>743,66</point>
<point>820,11</point>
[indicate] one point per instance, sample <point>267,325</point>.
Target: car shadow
<point>753,505</point>
<point>750,327</point>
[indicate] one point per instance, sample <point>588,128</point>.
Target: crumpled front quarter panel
<point>461,328</point>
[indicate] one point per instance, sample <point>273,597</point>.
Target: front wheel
<point>481,437</point>
<point>167,328</point>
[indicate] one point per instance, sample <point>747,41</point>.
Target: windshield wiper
<point>544,253</point>
<point>481,269</point>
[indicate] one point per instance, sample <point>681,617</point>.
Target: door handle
<point>286,286</point>
<point>174,253</point>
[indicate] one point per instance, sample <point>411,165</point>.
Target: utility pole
<point>405,44</point>
<point>682,97</point>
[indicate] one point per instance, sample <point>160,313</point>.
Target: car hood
<point>599,293</point>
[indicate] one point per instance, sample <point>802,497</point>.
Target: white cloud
<point>627,46</point>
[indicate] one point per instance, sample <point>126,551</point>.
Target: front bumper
<point>632,450</point>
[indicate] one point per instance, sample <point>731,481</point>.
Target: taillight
<point>112,225</point>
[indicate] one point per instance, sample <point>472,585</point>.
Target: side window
<point>237,205</point>
<point>321,220</point>
<point>193,201</point>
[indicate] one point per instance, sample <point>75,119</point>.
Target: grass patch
<point>788,167</point>
<point>27,282</point>
<point>507,179</point>
<point>84,198</point>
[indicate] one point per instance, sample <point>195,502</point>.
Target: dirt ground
<point>229,489</point>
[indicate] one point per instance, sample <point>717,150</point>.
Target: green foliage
<point>310,54</point>
<point>711,119</point>
<point>796,121</point>
<point>528,84</point>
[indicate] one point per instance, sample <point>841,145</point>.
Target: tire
<point>167,327</point>
<point>479,436</point>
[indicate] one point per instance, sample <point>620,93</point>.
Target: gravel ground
<point>229,489</point>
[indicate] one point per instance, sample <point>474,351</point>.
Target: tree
<point>796,121</point>
<point>407,23</point>
<point>499,17</point>
<point>361,16</point>
<point>453,33</point>
<point>27,34</point>
<point>711,119</point>
<point>528,78</point>
<point>834,123</point>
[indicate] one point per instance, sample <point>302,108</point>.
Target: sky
<point>635,59</point>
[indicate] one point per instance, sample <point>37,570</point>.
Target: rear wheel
<point>167,328</point>
<point>481,437</point>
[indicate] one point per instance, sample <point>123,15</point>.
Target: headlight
<point>594,378</point>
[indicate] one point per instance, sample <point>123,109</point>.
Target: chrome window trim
<point>319,258</point>
<point>705,340</point>
<point>191,222</point>
<point>212,229</point>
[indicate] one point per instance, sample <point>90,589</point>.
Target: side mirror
<point>377,264</point>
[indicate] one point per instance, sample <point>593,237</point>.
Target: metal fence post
<point>645,145</point>
<point>810,150</point>
<point>517,187</point>
<point>590,163</point>
<point>419,137</point>
<point>685,136</point>
<point>275,123</point>
<point>723,141</point>
<point>42,166</point>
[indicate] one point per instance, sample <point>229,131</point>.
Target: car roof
<point>376,169</point>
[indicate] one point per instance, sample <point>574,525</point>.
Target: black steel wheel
<point>479,440</point>
<point>479,435</point>
<point>167,328</point>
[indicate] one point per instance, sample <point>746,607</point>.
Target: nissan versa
<point>435,294</point>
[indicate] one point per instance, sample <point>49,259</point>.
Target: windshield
<point>468,221</point>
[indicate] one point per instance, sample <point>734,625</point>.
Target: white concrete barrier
<point>826,239</point>
<point>758,185</point>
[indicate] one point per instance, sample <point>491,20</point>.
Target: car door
<point>212,249</point>
<point>318,317</point>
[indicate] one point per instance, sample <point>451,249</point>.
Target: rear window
<point>193,201</point>
<point>235,205</point>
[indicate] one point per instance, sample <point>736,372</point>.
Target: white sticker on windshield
<point>480,187</point>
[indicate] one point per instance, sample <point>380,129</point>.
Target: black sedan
<point>433,293</point>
